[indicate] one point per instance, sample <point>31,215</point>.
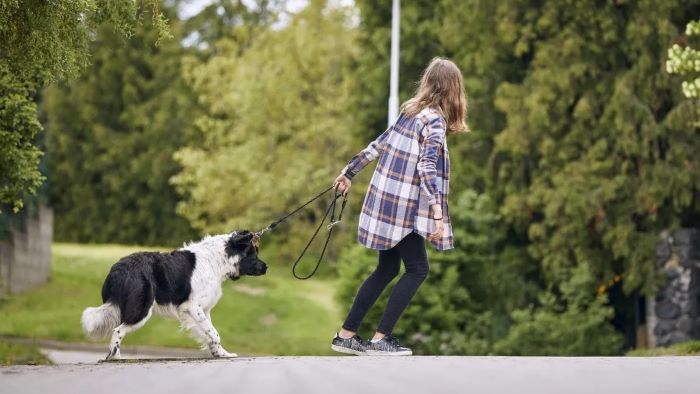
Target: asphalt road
<point>336,375</point>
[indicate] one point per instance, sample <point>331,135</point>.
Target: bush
<point>553,331</point>
<point>570,320</point>
<point>689,348</point>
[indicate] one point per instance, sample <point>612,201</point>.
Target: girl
<point>405,201</point>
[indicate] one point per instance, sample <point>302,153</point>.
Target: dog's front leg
<point>205,327</point>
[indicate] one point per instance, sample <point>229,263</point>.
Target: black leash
<point>333,222</point>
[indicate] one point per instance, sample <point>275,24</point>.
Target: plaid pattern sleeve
<point>433,138</point>
<point>365,156</point>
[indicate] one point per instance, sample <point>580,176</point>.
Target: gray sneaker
<point>354,345</point>
<point>387,346</point>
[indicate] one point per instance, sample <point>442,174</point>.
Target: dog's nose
<point>264,268</point>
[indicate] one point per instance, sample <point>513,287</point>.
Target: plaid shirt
<point>412,173</point>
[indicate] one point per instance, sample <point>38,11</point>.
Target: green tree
<point>277,126</point>
<point>42,42</point>
<point>111,135</point>
<point>230,20</point>
<point>19,125</point>
<point>597,153</point>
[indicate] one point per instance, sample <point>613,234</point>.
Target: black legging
<point>412,250</point>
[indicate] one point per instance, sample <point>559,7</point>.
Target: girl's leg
<point>387,269</point>
<point>415,258</point>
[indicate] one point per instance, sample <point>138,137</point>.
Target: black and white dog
<point>184,284</point>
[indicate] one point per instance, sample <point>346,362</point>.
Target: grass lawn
<point>271,314</point>
<point>14,354</point>
<point>690,348</point>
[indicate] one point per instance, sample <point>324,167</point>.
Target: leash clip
<point>259,234</point>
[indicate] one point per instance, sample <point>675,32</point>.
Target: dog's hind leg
<point>199,323</point>
<point>135,311</point>
<point>120,332</point>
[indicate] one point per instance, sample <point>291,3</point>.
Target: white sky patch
<point>192,39</point>
<point>290,8</point>
<point>342,3</point>
<point>190,8</point>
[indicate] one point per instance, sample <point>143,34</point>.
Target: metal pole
<point>394,78</point>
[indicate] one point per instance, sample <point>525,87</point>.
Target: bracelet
<point>440,218</point>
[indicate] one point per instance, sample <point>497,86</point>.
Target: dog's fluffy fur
<point>184,284</point>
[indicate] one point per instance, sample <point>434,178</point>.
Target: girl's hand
<point>439,229</point>
<point>343,183</point>
<point>436,211</point>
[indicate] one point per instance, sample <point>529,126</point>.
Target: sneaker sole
<point>381,353</point>
<point>345,350</point>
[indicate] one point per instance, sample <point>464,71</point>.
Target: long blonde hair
<point>441,88</point>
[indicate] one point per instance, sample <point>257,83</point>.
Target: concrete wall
<point>25,258</point>
<point>673,315</point>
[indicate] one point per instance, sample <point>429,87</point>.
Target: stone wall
<point>25,258</point>
<point>673,315</point>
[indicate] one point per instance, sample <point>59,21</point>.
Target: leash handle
<point>331,208</point>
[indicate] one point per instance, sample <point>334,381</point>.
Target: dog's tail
<point>99,322</point>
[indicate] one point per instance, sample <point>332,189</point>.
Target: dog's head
<point>244,246</point>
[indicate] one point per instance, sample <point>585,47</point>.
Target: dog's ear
<point>238,242</point>
<point>242,237</point>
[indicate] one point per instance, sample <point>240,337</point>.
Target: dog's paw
<point>114,355</point>
<point>223,354</point>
